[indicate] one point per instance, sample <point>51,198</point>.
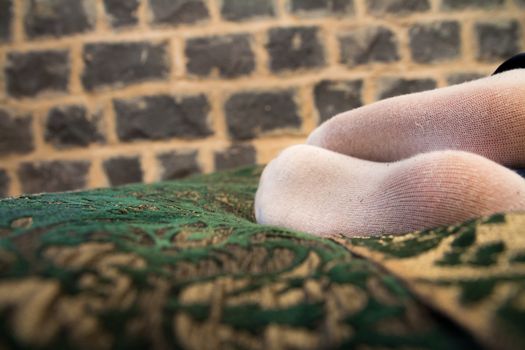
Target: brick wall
<point>106,92</point>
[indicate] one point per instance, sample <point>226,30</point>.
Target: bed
<point>182,264</point>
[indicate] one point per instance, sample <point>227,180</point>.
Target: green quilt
<point>183,265</point>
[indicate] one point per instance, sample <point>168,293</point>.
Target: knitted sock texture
<point>485,116</point>
<point>322,192</point>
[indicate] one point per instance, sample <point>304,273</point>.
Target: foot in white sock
<point>318,191</point>
<point>486,117</point>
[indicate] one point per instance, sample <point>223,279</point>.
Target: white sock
<point>485,116</point>
<point>318,191</point>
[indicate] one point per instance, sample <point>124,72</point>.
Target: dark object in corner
<point>515,62</point>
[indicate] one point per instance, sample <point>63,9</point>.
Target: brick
<point>334,97</point>
<point>53,176</point>
<point>31,73</point>
<point>391,87</point>
<point>123,170</point>
<point>462,4</point>
<point>57,17</point>
<point>118,64</point>
<point>368,45</point>
<point>330,7</point>
<point>239,10</point>
<point>497,41</point>
<point>459,78</point>
<point>16,135</point>
<point>176,12</point>
<point>162,117</point>
<point>229,56</point>
<point>379,7</point>
<point>294,48</point>
<point>234,157</point>
<point>69,126</point>
<point>176,165</point>
<point>4,183</point>
<point>435,42</point>
<point>6,14</point>
<point>122,13</point>
<point>250,113</point>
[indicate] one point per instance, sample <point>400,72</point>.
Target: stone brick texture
<point>58,18</point>
<point>179,164</point>
<point>363,46</point>
<point>497,40</point>
<point>5,20</point>
<point>35,72</point>
<point>118,64</point>
<point>122,13</point>
<point>178,12</point>
<point>250,114</point>
<point>293,48</point>
<point>70,126</point>
<point>123,170</point>
<point>53,176</point>
<point>461,4</point>
<point>330,7</point>
<point>109,92</point>
<point>238,155</point>
<point>4,183</point>
<point>336,96</point>
<point>243,10</point>
<point>391,87</point>
<point>380,7</point>
<point>228,56</point>
<point>162,117</point>
<point>16,133</point>
<point>434,42</point>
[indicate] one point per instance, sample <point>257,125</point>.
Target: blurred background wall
<point>105,92</point>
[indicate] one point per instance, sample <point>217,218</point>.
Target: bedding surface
<point>183,265</point>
